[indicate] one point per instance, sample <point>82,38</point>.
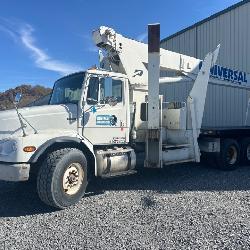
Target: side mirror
<point>112,101</point>
<point>18,98</point>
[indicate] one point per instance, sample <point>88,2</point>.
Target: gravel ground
<point>181,207</point>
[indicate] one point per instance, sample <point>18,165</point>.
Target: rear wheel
<point>229,156</point>
<point>62,178</point>
<point>245,151</point>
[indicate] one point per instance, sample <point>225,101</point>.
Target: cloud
<point>142,37</point>
<point>24,33</point>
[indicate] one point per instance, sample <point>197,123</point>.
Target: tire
<point>245,151</point>
<point>229,156</point>
<point>62,178</point>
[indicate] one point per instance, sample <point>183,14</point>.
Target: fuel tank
<point>115,160</point>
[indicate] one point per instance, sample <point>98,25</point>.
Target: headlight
<point>7,147</point>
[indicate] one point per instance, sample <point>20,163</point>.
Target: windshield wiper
<point>35,131</point>
<point>23,125</point>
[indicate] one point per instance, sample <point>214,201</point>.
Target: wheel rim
<point>248,152</point>
<point>73,179</point>
<point>232,155</point>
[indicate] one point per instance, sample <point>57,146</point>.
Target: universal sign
<point>234,76</point>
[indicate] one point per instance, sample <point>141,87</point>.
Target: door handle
<point>71,119</point>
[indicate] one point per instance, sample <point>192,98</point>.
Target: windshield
<point>68,89</point>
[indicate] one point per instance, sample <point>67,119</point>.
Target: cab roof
<point>95,71</point>
<point>106,72</point>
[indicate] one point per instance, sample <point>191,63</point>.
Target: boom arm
<point>130,57</point>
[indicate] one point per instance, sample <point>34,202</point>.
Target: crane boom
<point>130,57</point>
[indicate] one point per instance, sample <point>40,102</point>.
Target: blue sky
<point>42,40</point>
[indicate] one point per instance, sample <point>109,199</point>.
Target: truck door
<point>106,113</point>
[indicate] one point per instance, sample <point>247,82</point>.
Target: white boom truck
<point>98,119</point>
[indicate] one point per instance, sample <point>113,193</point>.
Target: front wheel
<point>62,178</point>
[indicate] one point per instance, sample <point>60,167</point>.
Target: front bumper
<point>14,172</point>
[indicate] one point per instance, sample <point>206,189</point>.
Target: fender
<point>63,139</point>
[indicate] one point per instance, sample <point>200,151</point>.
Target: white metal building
<point>230,28</point>
<point>228,101</point>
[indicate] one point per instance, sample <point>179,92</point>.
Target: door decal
<point>106,120</point>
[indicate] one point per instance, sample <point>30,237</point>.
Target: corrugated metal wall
<point>226,106</point>
<point>230,29</point>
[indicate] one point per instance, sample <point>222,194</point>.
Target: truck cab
<point>88,116</point>
<point>103,103</point>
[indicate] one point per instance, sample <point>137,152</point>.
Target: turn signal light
<point>29,149</point>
